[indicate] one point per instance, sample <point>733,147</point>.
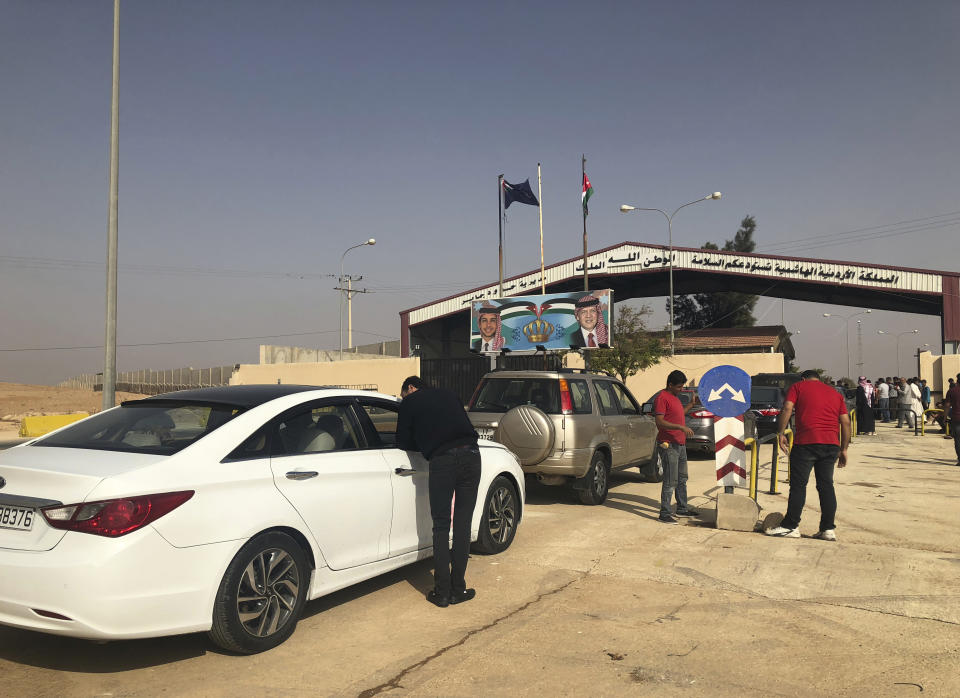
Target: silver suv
<point>567,426</point>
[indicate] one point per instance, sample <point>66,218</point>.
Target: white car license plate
<point>485,433</point>
<point>17,518</point>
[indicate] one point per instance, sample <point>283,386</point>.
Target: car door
<point>341,488</point>
<point>411,525</point>
<point>642,427</point>
<point>612,422</point>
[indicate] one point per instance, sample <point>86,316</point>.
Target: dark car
<point>766,402</point>
<point>700,420</point>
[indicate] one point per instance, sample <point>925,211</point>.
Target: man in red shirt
<point>951,410</point>
<point>815,447</point>
<point>672,433</point>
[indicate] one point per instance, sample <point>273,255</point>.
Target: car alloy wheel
<point>268,592</point>
<point>501,514</point>
<point>262,594</point>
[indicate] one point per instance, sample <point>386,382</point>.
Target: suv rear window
<point>503,394</point>
<point>764,394</point>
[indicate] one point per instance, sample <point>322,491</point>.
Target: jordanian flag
<point>587,193</point>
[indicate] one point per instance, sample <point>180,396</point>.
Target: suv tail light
<point>566,403</point>
<point>768,412</point>
<point>114,517</point>
<point>702,414</point>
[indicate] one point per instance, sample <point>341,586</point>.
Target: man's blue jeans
<point>674,460</point>
<point>885,408</point>
<point>820,458</point>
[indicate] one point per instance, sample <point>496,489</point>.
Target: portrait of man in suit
<point>592,332</point>
<point>488,321</point>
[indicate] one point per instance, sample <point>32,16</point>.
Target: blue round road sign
<point>725,391</point>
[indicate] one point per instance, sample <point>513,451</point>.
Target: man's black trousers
<point>820,458</point>
<point>456,471</point>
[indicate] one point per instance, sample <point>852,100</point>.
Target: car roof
<point>245,396</point>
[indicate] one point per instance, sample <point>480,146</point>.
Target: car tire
<point>653,471</point>
<point>598,481</point>
<point>501,514</point>
<point>261,595</point>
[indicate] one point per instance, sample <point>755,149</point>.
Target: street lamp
<point>624,208</point>
<point>846,319</point>
<point>371,241</point>
<point>898,344</point>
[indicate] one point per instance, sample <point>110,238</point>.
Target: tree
<point>634,349</point>
<point>725,309</point>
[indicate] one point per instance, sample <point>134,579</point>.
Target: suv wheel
<point>598,478</point>
<point>653,470</point>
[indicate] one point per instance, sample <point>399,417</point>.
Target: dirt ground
<point>18,401</point>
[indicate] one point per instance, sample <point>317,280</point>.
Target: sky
<point>260,140</point>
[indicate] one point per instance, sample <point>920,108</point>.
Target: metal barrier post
<point>752,443</point>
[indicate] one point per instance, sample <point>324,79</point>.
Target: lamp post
<point>371,241</point>
<point>846,319</point>
<point>901,334</point>
<point>624,208</point>
<point>919,349</point>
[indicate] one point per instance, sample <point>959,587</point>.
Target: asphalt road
<point>608,601</point>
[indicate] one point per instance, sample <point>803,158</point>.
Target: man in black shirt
<point>434,422</point>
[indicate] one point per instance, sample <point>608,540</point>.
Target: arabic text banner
<point>580,319</point>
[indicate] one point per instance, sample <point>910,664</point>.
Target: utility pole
<point>860,348</point>
<point>350,290</point>
<point>110,340</point>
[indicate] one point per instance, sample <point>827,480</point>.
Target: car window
<point>580,396</point>
<point>317,430</point>
<point>257,445</point>
<point>609,404</point>
<point>764,394</point>
<point>503,394</point>
<point>382,422</point>
<point>158,427</point>
<point>627,404</point>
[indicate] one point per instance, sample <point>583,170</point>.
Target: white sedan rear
<point>220,510</point>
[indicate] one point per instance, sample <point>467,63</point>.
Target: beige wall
<point>937,369</point>
<point>388,374</point>
<point>385,375</point>
<point>646,383</point>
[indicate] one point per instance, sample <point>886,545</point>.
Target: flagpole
<point>500,222</point>
<point>543,280</point>
<point>583,179</point>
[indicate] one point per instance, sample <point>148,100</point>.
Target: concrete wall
<point>646,383</point>
<point>937,369</point>
<point>274,354</point>
<point>383,374</point>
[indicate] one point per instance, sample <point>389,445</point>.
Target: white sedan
<point>220,510</point>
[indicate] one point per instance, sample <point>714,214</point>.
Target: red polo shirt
<point>817,407</point>
<point>668,406</point>
<point>953,395</point>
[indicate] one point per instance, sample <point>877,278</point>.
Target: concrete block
<point>737,512</point>
<point>40,425</point>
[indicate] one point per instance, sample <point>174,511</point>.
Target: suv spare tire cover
<point>528,432</point>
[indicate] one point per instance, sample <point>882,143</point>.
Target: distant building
<point>734,340</point>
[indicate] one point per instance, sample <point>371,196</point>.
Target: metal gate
<point>463,375</point>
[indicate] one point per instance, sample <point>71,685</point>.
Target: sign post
<point>725,391</point>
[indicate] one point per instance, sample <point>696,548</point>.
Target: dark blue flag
<point>521,193</point>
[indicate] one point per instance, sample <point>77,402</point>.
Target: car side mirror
<point>647,408</point>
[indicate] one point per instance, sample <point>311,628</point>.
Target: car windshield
<point>156,427</point>
<point>761,394</point>
<point>503,394</point>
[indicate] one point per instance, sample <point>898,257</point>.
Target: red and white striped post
<point>731,452</point>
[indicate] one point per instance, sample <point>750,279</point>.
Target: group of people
<point>907,398</point>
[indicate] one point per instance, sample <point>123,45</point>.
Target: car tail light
<point>566,404</point>
<point>768,412</point>
<point>114,517</point>
<point>702,414</point>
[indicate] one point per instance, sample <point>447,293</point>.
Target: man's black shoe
<point>461,596</point>
<point>688,512</point>
<point>438,599</point>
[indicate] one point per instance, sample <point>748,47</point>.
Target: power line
<point>200,341</point>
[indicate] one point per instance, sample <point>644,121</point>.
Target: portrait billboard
<point>574,320</point>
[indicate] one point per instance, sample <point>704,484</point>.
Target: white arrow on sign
<point>734,394</point>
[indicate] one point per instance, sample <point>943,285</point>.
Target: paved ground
<point>608,601</point>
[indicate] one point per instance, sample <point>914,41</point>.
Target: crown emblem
<point>538,331</point>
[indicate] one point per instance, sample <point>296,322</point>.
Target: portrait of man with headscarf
<point>592,331</point>
<point>488,322</point>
